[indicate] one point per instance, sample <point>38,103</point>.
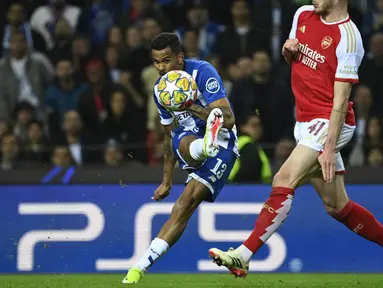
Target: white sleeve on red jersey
<point>349,53</point>
<point>293,31</point>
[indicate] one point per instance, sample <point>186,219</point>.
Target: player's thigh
<point>314,134</point>
<point>333,195</point>
<point>297,168</point>
<point>181,142</point>
<point>185,151</point>
<point>214,172</point>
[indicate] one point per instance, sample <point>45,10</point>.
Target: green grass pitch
<point>194,280</point>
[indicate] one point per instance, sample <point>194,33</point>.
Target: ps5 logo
<point>27,243</point>
<point>207,231</point>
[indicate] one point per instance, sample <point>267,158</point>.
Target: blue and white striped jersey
<point>210,89</point>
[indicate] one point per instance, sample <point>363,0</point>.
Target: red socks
<point>277,207</point>
<point>273,213</point>
<point>361,221</point>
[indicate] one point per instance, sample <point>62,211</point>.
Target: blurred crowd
<point>76,77</point>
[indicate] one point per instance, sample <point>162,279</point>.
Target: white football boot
<point>214,124</point>
<point>232,260</point>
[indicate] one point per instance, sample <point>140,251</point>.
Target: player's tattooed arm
<point>223,104</point>
<point>342,91</point>
<point>169,158</point>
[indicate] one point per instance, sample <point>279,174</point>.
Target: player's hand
<point>162,192</point>
<point>185,106</point>
<point>290,48</point>
<point>327,160</point>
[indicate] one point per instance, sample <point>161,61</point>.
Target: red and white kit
<point>328,52</point>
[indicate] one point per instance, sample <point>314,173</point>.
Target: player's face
<point>166,60</point>
<point>323,7</point>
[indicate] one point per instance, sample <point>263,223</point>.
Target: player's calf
<point>169,234</point>
<point>182,210</point>
<point>361,221</point>
<point>274,212</point>
<point>293,172</point>
<point>340,207</point>
<point>334,207</point>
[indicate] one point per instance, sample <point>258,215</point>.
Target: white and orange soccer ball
<point>176,90</point>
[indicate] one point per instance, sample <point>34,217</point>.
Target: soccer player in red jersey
<point>325,50</point>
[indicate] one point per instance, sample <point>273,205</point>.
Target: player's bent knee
<point>334,202</point>
<point>185,151</point>
<point>333,209</point>
<point>285,178</point>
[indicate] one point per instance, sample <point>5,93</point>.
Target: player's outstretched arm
<point>342,91</point>
<point>169,161</point>
<point>169,158</point>
<point>223,104</point>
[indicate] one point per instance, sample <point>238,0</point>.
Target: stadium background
<point>78,127</point>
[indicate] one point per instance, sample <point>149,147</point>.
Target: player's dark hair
<point>164,40</point>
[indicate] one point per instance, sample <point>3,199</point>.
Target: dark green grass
<point>194,280</point>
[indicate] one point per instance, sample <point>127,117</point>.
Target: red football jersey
<point>328,52</point>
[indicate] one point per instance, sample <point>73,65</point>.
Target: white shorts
<point>313,134</point>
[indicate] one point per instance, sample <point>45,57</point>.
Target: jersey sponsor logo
<point>212,85</point>
<point>326,42</point>
<point>183,116</point>
<point>310,57</point>
<point>348,71</point>
<point>303,29</point>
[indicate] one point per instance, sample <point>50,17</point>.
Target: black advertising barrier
<point>94,175</point>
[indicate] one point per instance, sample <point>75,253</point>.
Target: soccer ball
<point>177,89</point>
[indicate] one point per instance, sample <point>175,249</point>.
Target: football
<point>177,90</point>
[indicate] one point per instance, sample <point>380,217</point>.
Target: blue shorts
<point>213,172</point>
